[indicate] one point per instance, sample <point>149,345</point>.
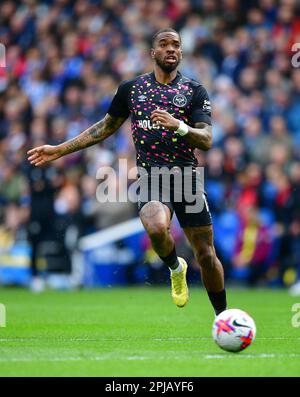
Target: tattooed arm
<point>200,136</point>
<point>94,134</point>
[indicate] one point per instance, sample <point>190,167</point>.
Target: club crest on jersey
<point>179,100</point>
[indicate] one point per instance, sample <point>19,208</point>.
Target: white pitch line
<point>141,358</point>
<point>128,339</point>
<point>261,355</point>
<point>28,359</point>
<point>55,359</point>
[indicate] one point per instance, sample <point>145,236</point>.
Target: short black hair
<point>154,37</point>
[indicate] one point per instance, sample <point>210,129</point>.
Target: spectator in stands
<point>253,247</point>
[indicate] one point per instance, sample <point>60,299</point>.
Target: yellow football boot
<point>180,292</point>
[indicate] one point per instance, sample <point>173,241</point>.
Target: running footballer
<point>170,117</point>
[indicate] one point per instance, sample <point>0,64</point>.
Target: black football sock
<point>171,260</point>
<point>218,300</point>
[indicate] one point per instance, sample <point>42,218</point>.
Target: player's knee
<point>206,258</point>
<point>158,231</point>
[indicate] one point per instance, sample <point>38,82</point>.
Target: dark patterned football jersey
<point>183,98</point>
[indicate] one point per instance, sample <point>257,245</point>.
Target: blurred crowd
<point>64,61</point>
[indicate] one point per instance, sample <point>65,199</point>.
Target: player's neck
<point>163,77</point>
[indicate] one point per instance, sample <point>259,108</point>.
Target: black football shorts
<point>181,190</point>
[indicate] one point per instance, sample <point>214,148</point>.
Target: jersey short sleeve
<point>201,108</point>
<point>119,105</point>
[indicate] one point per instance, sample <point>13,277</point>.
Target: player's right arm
<point>115,117</point>
<point>91,136</point>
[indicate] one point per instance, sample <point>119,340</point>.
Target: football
<point>233,330</point>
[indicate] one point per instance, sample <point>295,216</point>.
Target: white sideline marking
<point>141,358</point>
<point>260,355</point>
<point>128,339</point>
<point>54,359</point>
<point>103,339</point>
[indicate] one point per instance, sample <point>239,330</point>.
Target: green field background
<point>139,332</point>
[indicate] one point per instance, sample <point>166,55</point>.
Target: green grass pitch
<point>139,332</point>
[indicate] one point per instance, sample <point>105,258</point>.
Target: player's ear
<point>152,52</point>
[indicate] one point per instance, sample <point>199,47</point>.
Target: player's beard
<point>167,68</point>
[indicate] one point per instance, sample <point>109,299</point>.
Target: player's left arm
<point>199,136</point>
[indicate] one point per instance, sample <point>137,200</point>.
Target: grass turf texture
<point>139,332</point>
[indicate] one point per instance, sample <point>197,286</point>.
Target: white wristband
<point>183,129</point>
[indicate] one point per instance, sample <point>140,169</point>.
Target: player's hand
<point>165,119</point>
<point>43,154</point>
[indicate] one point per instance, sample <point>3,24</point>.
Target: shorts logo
<point>179,100</point>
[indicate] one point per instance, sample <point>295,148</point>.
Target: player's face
<point>167,51</point>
